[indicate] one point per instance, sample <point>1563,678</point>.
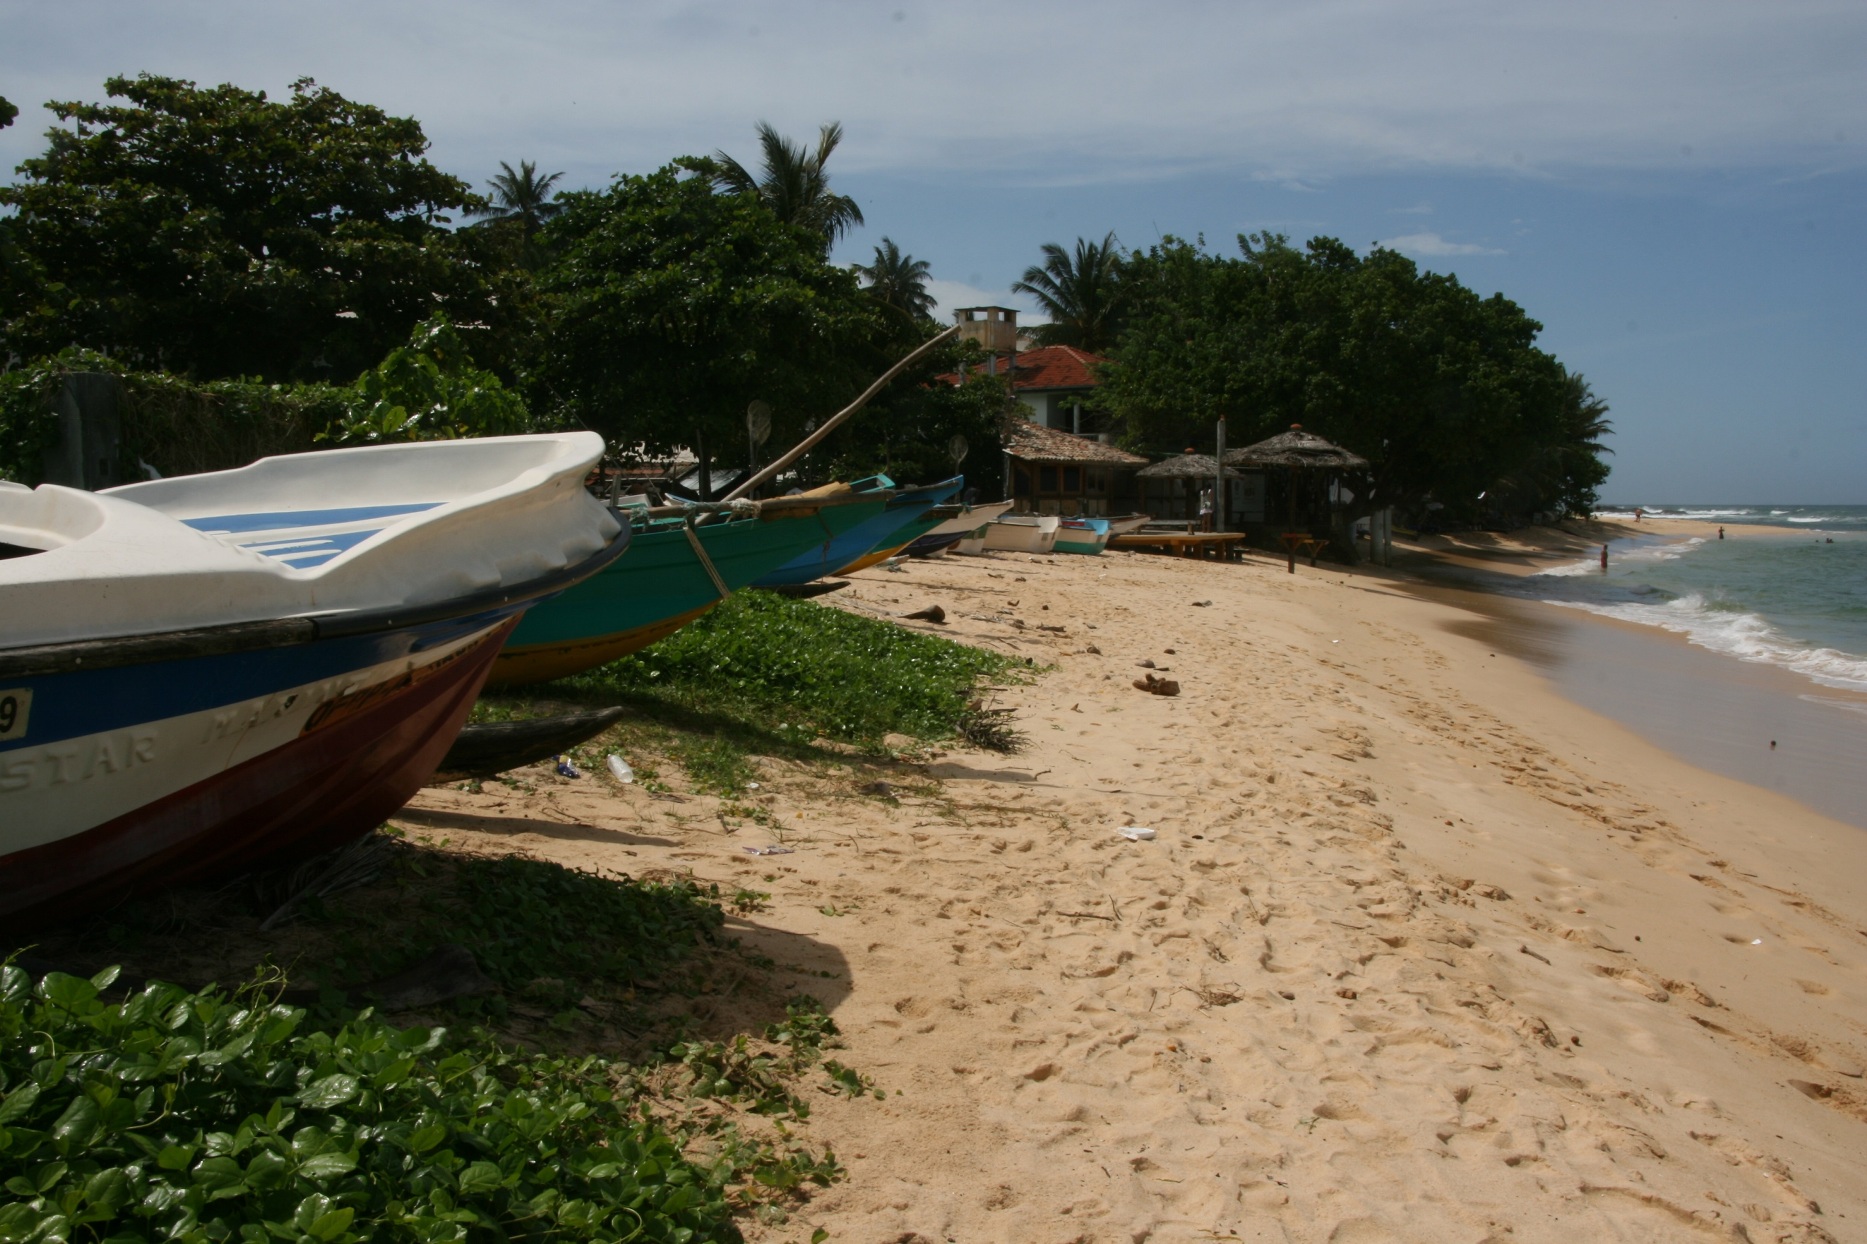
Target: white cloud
<point>1295,92</point>
<point>1434,246</point>
<point>953,294</point>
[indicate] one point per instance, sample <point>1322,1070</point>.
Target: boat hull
<point>280,754</point>
<point>1088,536</point>
<point>657,589</point>
<point>1039,536</point>
<point>885,533</point>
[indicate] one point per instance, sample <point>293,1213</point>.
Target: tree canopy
<point>216,232</point>
<point>672,307</point>
<point>1443,391</point>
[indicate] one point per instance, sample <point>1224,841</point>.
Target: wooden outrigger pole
<point>810,442</point>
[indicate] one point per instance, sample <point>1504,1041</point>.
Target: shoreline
<point>1422,949</point>
<point>1751,721</point>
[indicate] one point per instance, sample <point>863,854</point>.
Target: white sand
<point>1422,951</point>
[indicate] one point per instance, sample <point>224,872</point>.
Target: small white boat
<point>200,673</point>
<point>1023,533</point>
<point>951,532</point>
<point>1083,535</point>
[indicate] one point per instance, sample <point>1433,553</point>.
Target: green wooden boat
<point>663,582</point>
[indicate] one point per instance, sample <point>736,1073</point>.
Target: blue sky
<point>1674,190</point>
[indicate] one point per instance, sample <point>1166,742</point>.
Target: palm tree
<point>1079,292</point>
<point>523,196</point>
<point>793,184</point>
<point>898,281</point>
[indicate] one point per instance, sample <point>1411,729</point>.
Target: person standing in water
<point>1721,533</point>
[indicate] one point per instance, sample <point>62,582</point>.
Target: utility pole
<point>1219,499</point>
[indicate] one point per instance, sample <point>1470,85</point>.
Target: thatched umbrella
<point>1188,465</point>
<point>1296,448</point>
<point>1297,452</point>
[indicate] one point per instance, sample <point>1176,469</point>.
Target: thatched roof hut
<point>1188,465</point>
<point>1296,448</point>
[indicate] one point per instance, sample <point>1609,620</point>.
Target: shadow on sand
<point>541,955</point>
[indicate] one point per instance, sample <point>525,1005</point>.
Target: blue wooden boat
<point>905,517</point>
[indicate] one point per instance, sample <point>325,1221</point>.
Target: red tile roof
<point>1045,368</point>
<point>1055,367</point>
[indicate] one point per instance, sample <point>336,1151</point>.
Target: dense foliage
<point>1443,391</point>
<point>217,233</point>
<point>804,670</point>
<point>208,1117</point>
<point>673,307</point>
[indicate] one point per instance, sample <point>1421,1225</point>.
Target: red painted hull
<point>326,788</point>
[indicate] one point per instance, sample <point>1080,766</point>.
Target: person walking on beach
<point>1721,533</point>
<point>1205,509</point>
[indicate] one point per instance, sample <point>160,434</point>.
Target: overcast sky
<point>1673,190</point>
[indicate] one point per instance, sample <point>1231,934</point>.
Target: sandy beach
<point>1421,950</point>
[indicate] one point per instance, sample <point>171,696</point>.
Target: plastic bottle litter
<point>621,769</point>
<point>1136,833</point>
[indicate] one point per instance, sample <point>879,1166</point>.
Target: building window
<point>1046,478</point>
<point>1072,479</point>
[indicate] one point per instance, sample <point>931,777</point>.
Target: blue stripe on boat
<point>303,552</point>
<point>278,520</point>
<point>83,702</point>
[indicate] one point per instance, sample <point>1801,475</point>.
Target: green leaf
<point>78,1124</point>
<point>219,1178</point>
<point>326,1165</point>
<point>18,1102</point>
<point>479,1177</point>
<point>423,1139</point>
<point>331,1225</point>
<point>333,1090</point>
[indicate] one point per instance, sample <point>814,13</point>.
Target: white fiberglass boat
<point>204,672</point>
<point>1023,533</point>
<point>951,532</point>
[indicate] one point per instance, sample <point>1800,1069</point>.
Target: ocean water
<point>1794,598</point>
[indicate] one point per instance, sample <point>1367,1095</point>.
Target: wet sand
<point>1717,712</point>
<point>1423,949</point>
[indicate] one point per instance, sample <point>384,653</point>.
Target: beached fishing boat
<point>1083,535</point>
<point>895,546</point>
<point>678,570</point>
<point>1022,533</point>
<point>955,529</point>
<point>1122,524</point>
<point>905,517</point>
<point>203,673</point>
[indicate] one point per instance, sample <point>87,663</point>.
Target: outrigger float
<point>205,673</point>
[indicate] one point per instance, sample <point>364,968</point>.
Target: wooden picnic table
<point>1185,543</point>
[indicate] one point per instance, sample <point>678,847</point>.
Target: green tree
<point>899,281</point>
<point>1080,292</point>
<point>428,390</point>
<point>672,307</point>
<point>7,112</point>
<point>216,232</point>
<point>1443,391</point>
<point>793,183</point>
